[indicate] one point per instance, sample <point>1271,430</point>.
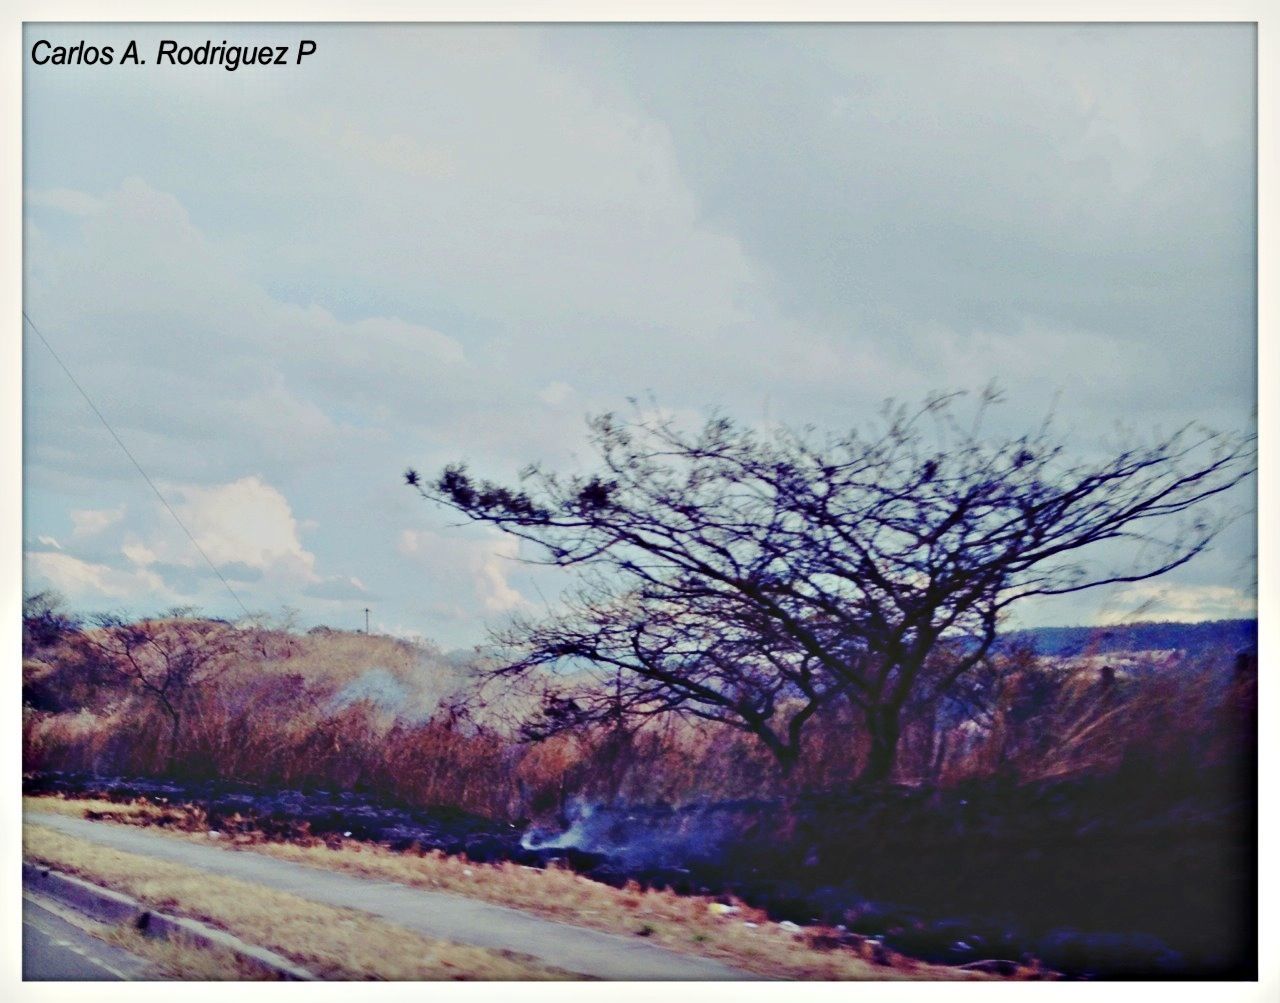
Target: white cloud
<point>88,583</point>
<point>485,563</point>
<point>66,200</point>
<point>49,541</point>
<point>338,588</point>
<point>147,305</point>
<point>246,527</point>
<point>396,151</point>
<point>138,553</point>
<point>1180,603</point>
<point>89,521</point>
<point>245,522</point>
<point>556,394</point>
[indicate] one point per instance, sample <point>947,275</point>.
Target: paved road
<point>436,914</point>
<point>55,950</point>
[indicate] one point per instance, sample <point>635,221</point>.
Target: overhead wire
<point>132,459</point>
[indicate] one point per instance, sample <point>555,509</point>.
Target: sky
<point>284,285</point>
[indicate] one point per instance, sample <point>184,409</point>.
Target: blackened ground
<point>1132,875</point>
<point>286,814</point>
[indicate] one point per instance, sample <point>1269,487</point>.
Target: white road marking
<point>79,923</point>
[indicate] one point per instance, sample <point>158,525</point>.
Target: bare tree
<point>754,579</point>
<point>45,622</point>
<point>166,659</point>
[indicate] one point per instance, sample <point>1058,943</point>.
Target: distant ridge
<point>1193,638</point>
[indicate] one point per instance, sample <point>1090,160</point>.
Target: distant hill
<point>1193,638</point>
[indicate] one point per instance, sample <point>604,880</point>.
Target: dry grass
<point>333,943</point>
<point>183,959</point>
<point>743,937</point>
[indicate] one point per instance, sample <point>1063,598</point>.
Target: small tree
<point>45,622</point>
<point>756,579</point>
<point>165,659</point>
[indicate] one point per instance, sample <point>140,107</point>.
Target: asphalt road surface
<point>436,914</point>
<point>55,950</point>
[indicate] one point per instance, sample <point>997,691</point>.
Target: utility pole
<point>366,620</point>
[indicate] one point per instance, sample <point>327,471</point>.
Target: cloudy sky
<point>283,286</point>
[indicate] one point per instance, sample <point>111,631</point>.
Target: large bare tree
<point>166,659</point>
<point>756,578</point>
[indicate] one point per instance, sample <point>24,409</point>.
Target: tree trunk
<point>174,723</point>
<point>787,758</point>
<point>883,730</point>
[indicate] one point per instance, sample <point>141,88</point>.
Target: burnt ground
<point>1134,875</point>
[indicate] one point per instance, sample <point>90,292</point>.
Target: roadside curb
<point>113,907</point>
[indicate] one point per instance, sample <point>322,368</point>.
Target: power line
<point>120,442</point>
